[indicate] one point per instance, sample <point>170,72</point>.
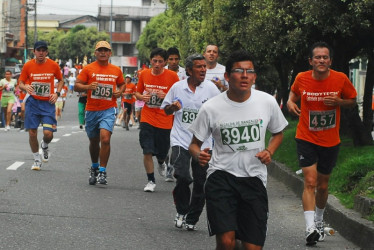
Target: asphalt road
<point>56,208</point>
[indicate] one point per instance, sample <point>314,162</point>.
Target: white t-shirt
<point>238,130</point>
<point>11,85</point>
<point>217,72</point>
<point>71,80</point>
<point>74,71</point>
<point>181,72</point>
<point>191,103</point>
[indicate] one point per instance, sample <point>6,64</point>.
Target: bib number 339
<point>103,92</point>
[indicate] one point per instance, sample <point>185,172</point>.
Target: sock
<point>44,145</point>
<point>36,156</point>
<point>319,214</point>
<point>95,165</point>
<point>151,177</point>
<point>102,169</point>
<point>309,218</point>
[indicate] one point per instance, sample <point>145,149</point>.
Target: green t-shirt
<point>10,86</point>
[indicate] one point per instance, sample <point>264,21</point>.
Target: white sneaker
<point>312,235</point>
<point>162,169</point>
<point>36,166</point>
<point>150,187</point>
<point>320,225</point>
<point>179,220</point>
<point>7,128</point>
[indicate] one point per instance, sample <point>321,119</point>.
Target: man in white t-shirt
<point>71,80</point>
<point>184,101</point>
<point>235,189</point>
<point>173,63</point>
<point>215,71</point>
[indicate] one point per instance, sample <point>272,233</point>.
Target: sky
<point>79,7</point>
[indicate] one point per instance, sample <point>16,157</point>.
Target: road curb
<point>348,222</point>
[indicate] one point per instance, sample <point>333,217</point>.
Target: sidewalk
<point>346,221</point>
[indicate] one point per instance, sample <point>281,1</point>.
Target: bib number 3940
<point>103,92</point>
<point>322,120</point>
<point>240,135</point>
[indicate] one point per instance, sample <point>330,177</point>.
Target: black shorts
<point>310,153</point>
<point>128,107</point>
<point>237,204</point>
<point>155,141</point>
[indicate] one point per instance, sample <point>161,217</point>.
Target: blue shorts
<point>38,111</point>
<point>71,87</point>
<point>96,120</point>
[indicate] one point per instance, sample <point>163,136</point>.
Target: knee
<point>226,242</point>
<point>310,183</point>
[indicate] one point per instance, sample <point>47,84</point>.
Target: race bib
<point>189,115</point>
<point>322,120</point>
<point>128,96</point>
<point>103,92</point>
<point>42,89</point>
<point>241,137</point>
<point>154,101</point>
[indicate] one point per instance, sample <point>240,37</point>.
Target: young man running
<point>155,125</point>
<point>37,79</point>
<point>235,189</point>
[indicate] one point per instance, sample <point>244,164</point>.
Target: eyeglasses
<point>241,71</point>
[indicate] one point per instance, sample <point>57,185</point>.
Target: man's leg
<point>148,163</point>
<point>9,113</point>
<point>33,140</point>
<point>225,241</point>
<point>94,148</point>
<point>105,147</point>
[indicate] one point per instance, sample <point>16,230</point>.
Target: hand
<point>145,97</point>
<point>117,93</point>
<point>204,157</point>
<point>29,89</point>
<point>175,106</point>
<point>53,98</point>
<point>93,85</point>
<point>333,100</point>
<point>161,94</point>
<point>218,83</point>
<point>264,156</point>
<point>293,108</point>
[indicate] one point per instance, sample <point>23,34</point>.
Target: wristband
<point>58,94</point>
<point>268,151</point>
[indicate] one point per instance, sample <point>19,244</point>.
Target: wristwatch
<point>58,94</point>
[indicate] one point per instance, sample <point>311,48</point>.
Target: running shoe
<point>7,128</point>
<point>179,220</point>
<point>150,187</point>
<point>320,225</point>
<point>45,153</point>
<point>101,178</point>
<point>190,227</point>
<point>162,169</point>
<point>93,176</point>
<point>36,166</point>
<point>169,174</point>
<point>311,235</point>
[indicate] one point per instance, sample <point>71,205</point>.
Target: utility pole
<point>111,25</point>
<point>26,20</point>
<point>35,30</point>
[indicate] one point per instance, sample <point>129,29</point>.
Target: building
<point>126,25</point>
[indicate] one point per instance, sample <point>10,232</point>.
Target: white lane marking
<point>55,140</point>
<point>15,165</point>
<point>67,135</point>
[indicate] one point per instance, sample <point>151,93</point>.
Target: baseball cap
<point>103,44</point>
<point>128,75</point>
<point>40,44</point>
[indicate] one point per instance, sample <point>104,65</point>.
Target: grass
<point>353,174</point>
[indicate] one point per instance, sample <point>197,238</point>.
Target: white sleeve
<point>200,127</point>
<point>168,98</point>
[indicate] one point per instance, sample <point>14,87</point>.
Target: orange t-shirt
<point>108,77</point>
<point>42,77</point>
<point>318,123</point>
<point>151,112</point>
<point>128,93</point>
<point>66,90</point>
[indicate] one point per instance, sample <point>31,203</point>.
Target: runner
<point>321,93</point>
<point>104,83</point>
<point>128,99</point>
<point>235,189</point>
<point>7,85</point>
<point>155,125</point>
<point>184,101</point>
<point>37,79</point>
